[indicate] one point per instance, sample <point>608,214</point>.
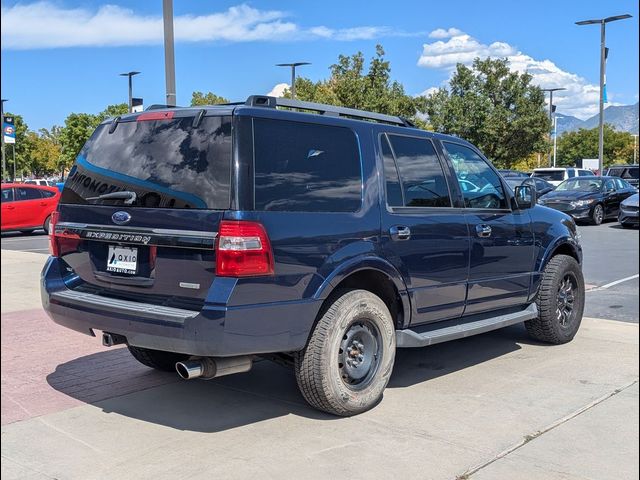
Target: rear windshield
<point>166,163</point>
<point>553,175</point>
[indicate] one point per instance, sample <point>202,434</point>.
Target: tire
<point>559,310</point>
<point>47,224</point>
<point>157,359</point>
<point>355,332</point>
<point>597,215</point>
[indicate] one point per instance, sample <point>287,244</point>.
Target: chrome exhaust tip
<point>210,367</point>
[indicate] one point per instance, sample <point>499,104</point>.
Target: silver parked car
<point>628,216</point>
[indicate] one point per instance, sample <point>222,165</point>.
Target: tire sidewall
<point>46,226</point>
<point>594,219</point>
<point>569,265</point>
<point>359,305</point>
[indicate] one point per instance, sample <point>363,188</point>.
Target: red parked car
<point>27,207</point>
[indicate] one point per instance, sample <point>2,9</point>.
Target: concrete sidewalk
<point>496,406</point>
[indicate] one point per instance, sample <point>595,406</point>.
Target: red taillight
<point>61,242</point>
<point>243,250</point>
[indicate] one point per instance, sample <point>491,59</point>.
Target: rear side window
<point>631,173</point>
<point>47,194</point>
<point>549,175</point>
<point>166,163</point>
<point>306,167</point>
<point>7,195</point>
<point>27,194</point>
<point>420,172</point>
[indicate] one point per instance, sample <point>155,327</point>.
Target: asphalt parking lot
<point>495,406</point>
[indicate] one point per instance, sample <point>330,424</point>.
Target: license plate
<point>122,260</point>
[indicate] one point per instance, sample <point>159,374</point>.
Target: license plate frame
<point>122,259</point>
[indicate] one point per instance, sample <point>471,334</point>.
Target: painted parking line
<point>614,283</point>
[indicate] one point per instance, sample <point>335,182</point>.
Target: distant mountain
<point>623,118</point>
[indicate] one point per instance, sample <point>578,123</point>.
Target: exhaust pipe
<point>212,367</point>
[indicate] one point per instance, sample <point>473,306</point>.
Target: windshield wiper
<point>128,196</point>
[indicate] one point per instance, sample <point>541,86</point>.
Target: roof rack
<point>329,110</point>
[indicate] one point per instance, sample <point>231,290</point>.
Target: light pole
<point>4,165</point>
<point>602,22</point>
<point>635,148</point>
<point>293,74</point>
<point>551,90</point>
<point>169,57</point>
<point>130,75</point>
<point>555,139</point>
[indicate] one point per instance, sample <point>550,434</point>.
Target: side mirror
<point>525,196</point>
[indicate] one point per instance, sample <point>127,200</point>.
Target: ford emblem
<point>120,218</point>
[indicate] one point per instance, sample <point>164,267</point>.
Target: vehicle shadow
<point>268,391</point>
<point>35,233</point>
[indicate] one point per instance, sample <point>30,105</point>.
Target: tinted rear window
<point>306,167</point>
<point>167,163</point>
<point>553,175</point>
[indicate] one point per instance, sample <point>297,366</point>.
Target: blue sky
<point>64,56</point>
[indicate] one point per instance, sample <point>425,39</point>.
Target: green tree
<point>44,153</point>
<point>572,147</point>
<point>209,98</point>
<point>498,110</point>
<point>78,127</point>
<point>113,111</point>
<point>351,86</point>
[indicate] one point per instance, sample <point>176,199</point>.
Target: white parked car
<point>555,176</point>
<point>40,181</point>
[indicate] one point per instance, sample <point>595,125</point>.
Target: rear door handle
<point>399,232</point>
<point>483,230</point>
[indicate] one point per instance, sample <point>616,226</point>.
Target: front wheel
<point>560,302</point>
<point>348,361</point>
<point>597,215</point>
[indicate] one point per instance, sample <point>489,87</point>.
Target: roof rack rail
<point>159,106</point>
<point>329,110</point>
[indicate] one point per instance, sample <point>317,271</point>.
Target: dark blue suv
<point>204,237</point>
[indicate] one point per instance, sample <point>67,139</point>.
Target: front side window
<point>421,175</point>
<point>621,184</point>
<point>392,181</point>
<point>609,186</point>
<point>306,167</point>
<point>27,194</point>
<point>480,184</point>
<point>7,195</point>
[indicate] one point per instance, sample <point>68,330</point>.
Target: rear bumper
<point>216,330</point>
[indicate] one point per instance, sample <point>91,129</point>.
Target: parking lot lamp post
<point>4,164</point>
<point>293,74</point>
<point>602,22</point>
<point>551,90</point>
<point>130,75</point>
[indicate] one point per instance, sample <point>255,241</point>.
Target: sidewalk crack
<point>530,437</point>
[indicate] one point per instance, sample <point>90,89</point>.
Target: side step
<point>460,328</point>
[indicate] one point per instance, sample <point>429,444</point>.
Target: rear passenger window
<point>47,194</point>
<point>27,194</point>
<point>306,167</point>
<point>421,176</point>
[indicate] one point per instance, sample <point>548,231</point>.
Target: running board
<point>445,331</point>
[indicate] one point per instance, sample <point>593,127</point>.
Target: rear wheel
<point>597,215</point>
<point>349,358</point>
<point>47,224</point>
<point>560,302</point>
<point>164,361</point>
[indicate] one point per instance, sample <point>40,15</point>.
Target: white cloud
<point>278,90</point>
<point>442,33</point>
<point>43,24</point>
<point>580,99</point>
